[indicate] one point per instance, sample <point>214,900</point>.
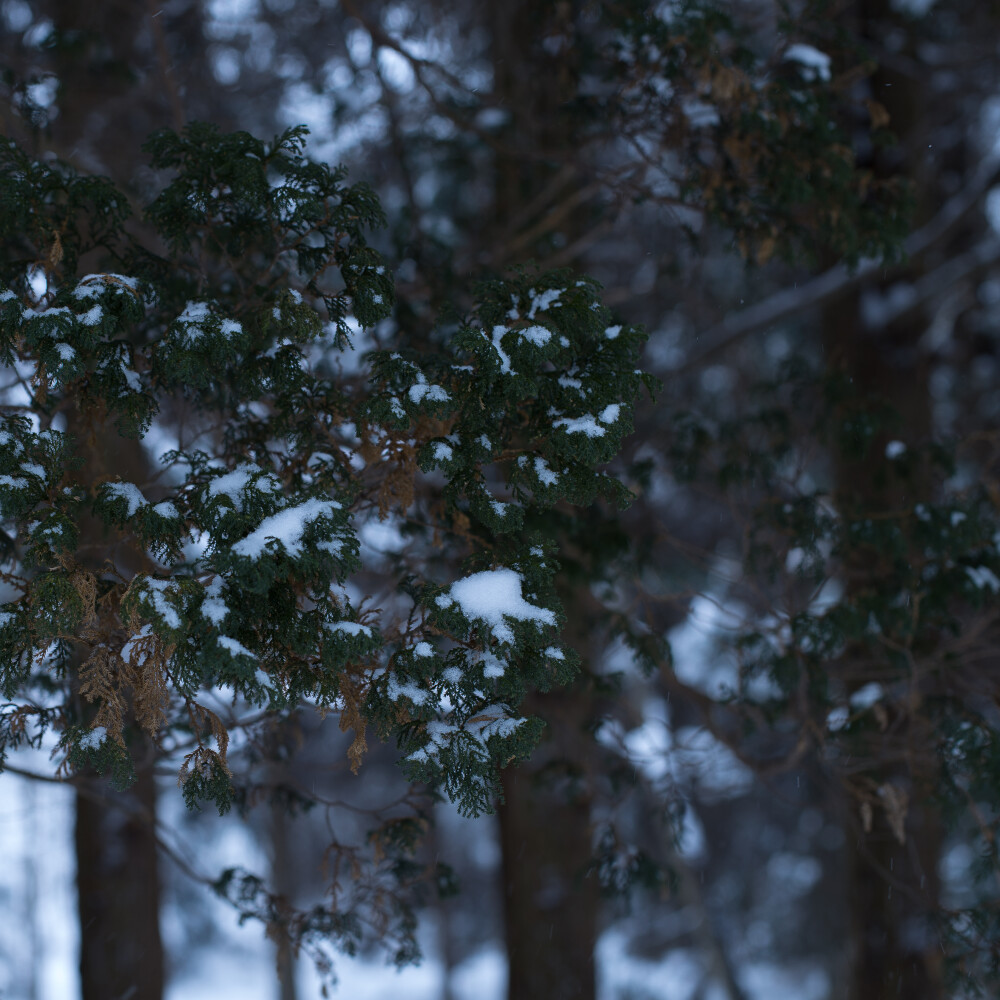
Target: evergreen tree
<point>226,570</point>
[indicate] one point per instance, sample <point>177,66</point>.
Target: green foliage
<point>758,141</point>
<point>137,592</point>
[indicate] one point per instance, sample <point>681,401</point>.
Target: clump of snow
<point>554,653</point>
<point>350,628</point>
<point>423,649</point>
<point>421,391</point>
<point>234,647</point>
<point>194,312</point>
<point>166,509</point>
<point>213,607</point>
<point>93,739</point>
<point>92,316</point>
<point>131,648</point>
<point>414,692</point>
<point>894,449</point>
<point>867,696</point>
<point>287,527</point>
<point>442,452</point>
<point>498,332</point>
<point>158,591</point>
<point>837,718</point>
<point>234,484</point>
<point>544,473</point>
<point>814,64</point>
<point>536,335</point>
<point>610,413</point>
<point>543,301</point>
<point>128,492</point>
<point>581,425</point>
<point>612,332</point>
<point>495,595</point>
<point>89,286</point>
<point>33,469</point>
<point>983,576</point>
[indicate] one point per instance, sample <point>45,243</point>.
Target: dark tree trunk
<point>121,954</point>
<point>550,902</point>
<point>892,885</point>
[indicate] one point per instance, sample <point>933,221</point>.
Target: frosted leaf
<point>495,595</point>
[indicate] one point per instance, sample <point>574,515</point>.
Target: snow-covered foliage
<point>226,571</point>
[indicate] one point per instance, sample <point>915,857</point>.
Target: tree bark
<point>551,906</point>
<point>550,901</point>
<point>121,953</point>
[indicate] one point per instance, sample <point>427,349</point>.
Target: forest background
<point>774,776</point>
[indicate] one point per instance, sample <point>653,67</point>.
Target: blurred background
<point>652,850</point>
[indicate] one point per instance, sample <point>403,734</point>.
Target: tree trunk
<point>550,901</point>
<point>550,904</point>
<point>121,954</point>
<point>892,887</point>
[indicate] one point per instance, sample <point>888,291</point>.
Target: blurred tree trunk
<point>121,954</point>
<point>550,904</point>
<point>118,884</point>
<point>283,880</point>
<point>893,886</point>
<point>114,85</point>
